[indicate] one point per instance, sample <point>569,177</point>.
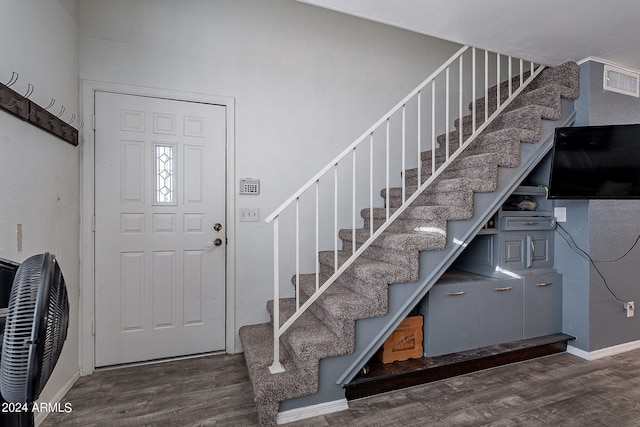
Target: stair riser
<point>528,119</point>
<point>510,158</point>
<point>541,97</point>
<point>362,274</point>
<point>305,354</point>
<point>445,198</point>
<point>528,122</point>
<point>407,226</point>
<point>343,327</point>
<point>405,258</point>
<point>302,361</point>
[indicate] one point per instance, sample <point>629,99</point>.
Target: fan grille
<point>35,330</point>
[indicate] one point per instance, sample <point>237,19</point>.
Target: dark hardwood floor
<point>556,390</point>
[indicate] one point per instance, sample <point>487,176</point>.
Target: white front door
<point>159,228</point>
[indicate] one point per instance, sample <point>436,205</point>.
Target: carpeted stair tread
<point>424,213</point>
<point>270,389</point>
<point>431,237</point>
<point>548,97</point>
<point>339,300</point>
<point>509,154</point>
<point>441,186</point>
<point>308,338</point>
<point>506,141</point>
<point>367,268</point>
<point>567,75</point>
<point>527,117</point>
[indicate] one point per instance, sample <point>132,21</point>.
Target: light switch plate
<point>249,214</point>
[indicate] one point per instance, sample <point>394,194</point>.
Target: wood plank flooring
<point>555,390</point>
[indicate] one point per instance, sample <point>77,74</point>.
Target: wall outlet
<point>560,213</point>
<point>630,306</point>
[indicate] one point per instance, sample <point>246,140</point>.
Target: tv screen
<point>596,162</point>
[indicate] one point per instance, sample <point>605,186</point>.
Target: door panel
<point>160,188</point>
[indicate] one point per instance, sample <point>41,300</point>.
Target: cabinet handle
<point>506,288</point>
<point>530,222</point>
<point>456,294</point>
<point>544,284</point>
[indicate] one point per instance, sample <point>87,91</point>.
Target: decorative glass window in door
<point>165,174</point>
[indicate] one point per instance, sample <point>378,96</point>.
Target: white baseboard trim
<point>303,413</point>
<point>604,352</point>
<point>40,416</point>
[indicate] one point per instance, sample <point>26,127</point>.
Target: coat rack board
<point>27,110</point>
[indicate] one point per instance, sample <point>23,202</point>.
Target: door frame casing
<point>87,210</point>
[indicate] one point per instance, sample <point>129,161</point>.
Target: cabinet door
<point>520,251</point>
<point>500,312</point>
<point>542,311</point>
<point>513,251</point>
<point>452,323</point>
<point>539,250</point>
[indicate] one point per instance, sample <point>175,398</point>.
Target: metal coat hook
<point>81,126</point>
<point>14,78</point>
<point>73,118</point>
<point>53,101</point>
<point>29,91</point>
<point>61,111</point>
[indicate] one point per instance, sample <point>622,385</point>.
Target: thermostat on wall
<point>249,186</point>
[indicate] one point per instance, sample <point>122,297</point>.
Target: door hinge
<point>93,223</point>
<point>93,122</point>
<point>93,327</point>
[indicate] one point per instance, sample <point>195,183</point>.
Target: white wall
<point>39,172</point>
<point>306,81</point>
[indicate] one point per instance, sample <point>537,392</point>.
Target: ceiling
<point>545,31</point>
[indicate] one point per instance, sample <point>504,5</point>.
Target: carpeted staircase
<point>328,328</point>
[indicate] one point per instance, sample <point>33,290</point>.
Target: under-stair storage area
<point>465,311</point>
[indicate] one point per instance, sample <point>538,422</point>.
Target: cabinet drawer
<point>527,223</point>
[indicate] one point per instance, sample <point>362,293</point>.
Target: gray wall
<point>606,229</point>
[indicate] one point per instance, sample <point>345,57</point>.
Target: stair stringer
<point>371,332</point>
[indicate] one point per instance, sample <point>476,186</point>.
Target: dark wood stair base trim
<point>398,375</point>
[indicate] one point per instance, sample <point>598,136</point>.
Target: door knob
<point>217,242</point>
<point>217,226</point>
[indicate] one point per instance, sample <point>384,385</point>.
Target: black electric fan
<point>35,331</point>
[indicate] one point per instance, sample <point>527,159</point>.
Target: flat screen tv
<point>596,162</point>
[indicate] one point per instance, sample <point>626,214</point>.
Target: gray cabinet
<point>451,318</point>
<point>520,241</point>
<point>521,251</point>
<point>465,311</point>
<point>542,310</point>
<point>500,312</point>
<point>503,286</point>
